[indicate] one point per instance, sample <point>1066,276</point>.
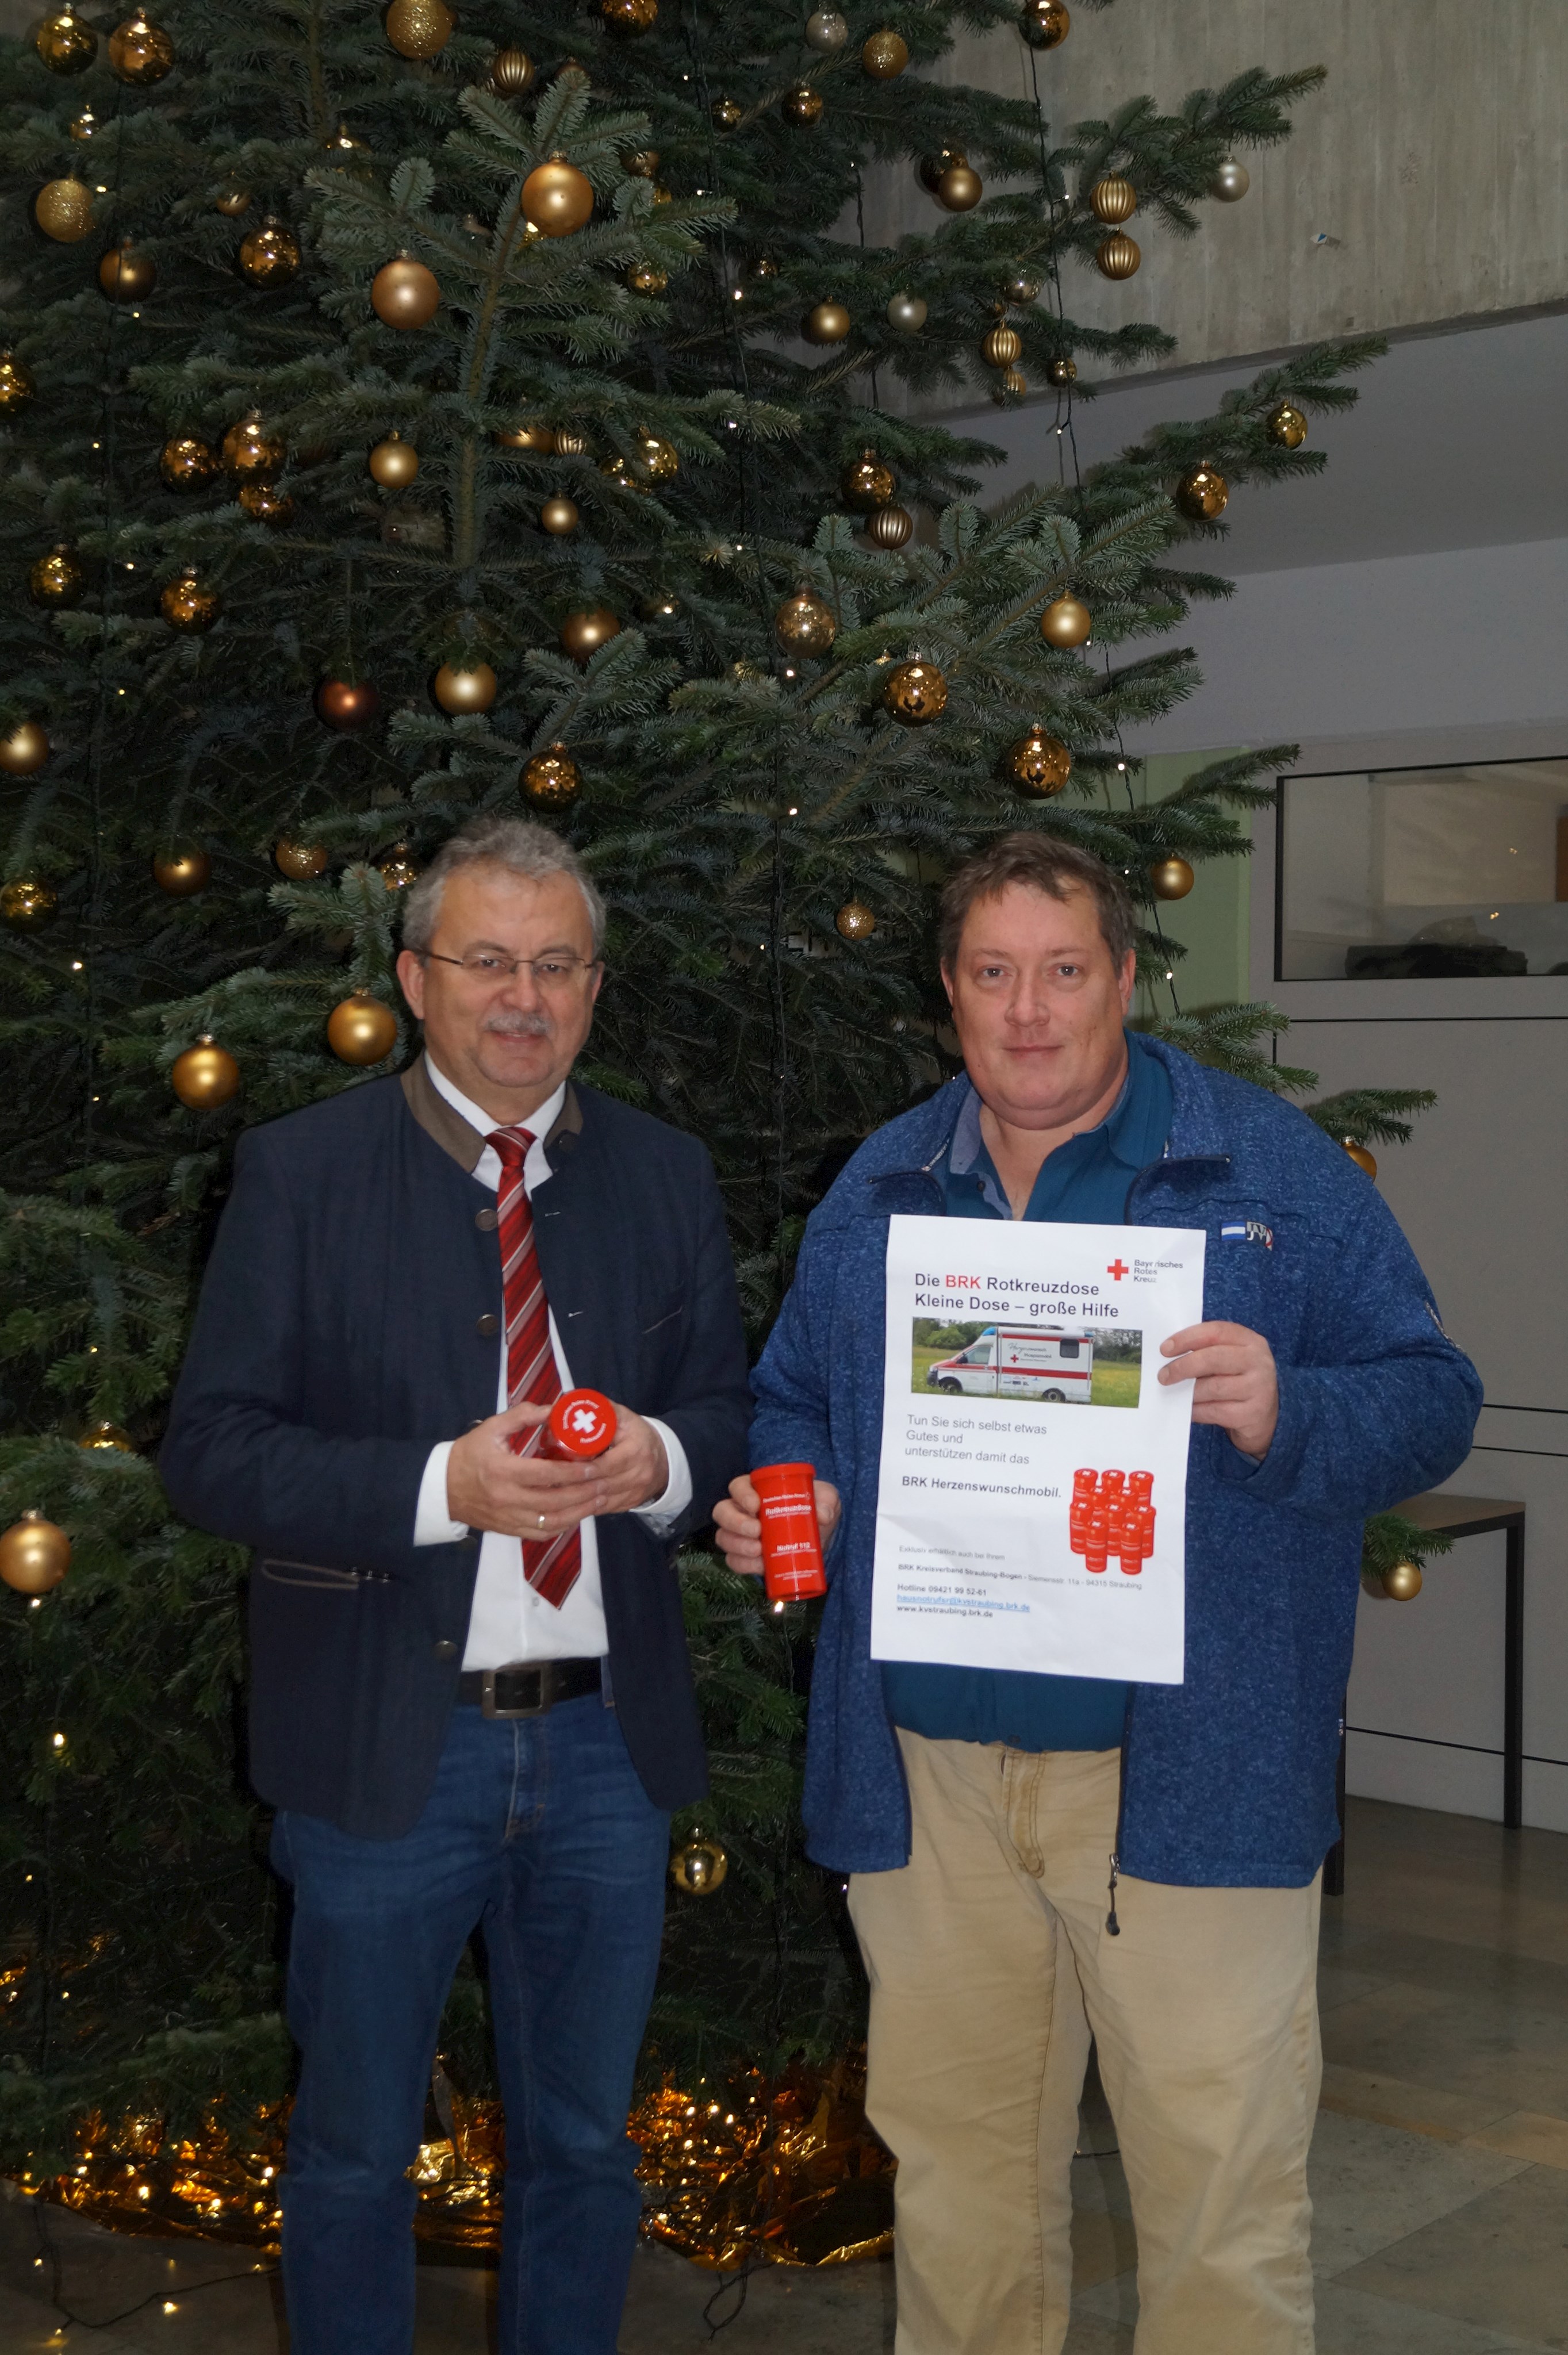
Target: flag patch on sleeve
<point>1248,1230</point>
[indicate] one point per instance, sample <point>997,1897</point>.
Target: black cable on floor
<point>52,2258</point>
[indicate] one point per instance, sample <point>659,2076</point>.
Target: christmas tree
<point>405,418</point>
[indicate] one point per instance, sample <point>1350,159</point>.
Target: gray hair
<point>515,843</point>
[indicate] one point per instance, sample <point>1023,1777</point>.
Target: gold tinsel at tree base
<point>733,2171</point>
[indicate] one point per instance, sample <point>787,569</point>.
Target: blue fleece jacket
<point>1228,1778</point>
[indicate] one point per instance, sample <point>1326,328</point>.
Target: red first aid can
<point>791,1541</point>
<point>582,1425</point>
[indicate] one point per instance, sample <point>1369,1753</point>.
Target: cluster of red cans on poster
<point>1113,1513</point>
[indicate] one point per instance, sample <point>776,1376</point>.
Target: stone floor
<point>1440,2169</point>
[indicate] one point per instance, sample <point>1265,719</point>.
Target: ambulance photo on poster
<point>1089,1364</point>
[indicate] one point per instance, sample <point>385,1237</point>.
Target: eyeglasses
<point>550,972</point>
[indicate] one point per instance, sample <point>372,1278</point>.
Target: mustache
<point>519,1025</point>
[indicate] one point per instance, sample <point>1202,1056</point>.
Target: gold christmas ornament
<point>397,869</point>
<point>646,278</point>
<point>15,384</point>
<point>885,56</point>
<point>1287,426</point>
<point>182,873</point>
<point>868,484</point>
<point>659,461</point>
<point>960,188</point>
<point>187,462</point>
<point>63,209</point>
<point>404,294</point>
<point>855,921</point>
<point>1113,199</point>
<point>761,268</point>
<point>889,527</point>
<point>347,703</point>
<point>190,603</point>
<point>264,503</point>
<point>558,515</point>
<point>82,125</point>
<point>802,105</point>
<point>630,16</point>
<point>27,905</point>
<point>1021,288</point>
<point>617,469</point>
<point>139,52</point>
<point>907,313</point>
<point>582,634</point>
<point>393,462</point>
<point>1118,256</point>
<point>269,256</point>
<point>205,1076</point>
<point>58,579</point>
<point>464,686</point>
<point>698,1868</point>
<point>539,438</point>
<point>361,1029</point>
<point>232,203</point>
<point>826,322</point>
<point>1044,24</point>
<point>1202,493</point>
<point>109,1436</point>
<point>1231,182</point>
<point>26,748</point>
<point>570,443</point>
<point>726,114</point>
<point>827,31</point>
<point>1009,385</point>
<point>419,29</point>
<point>251,453</point>
<point>1359,1155</point>
<point>805,623</point>
<point>66,45</point>
<point>1001,347</point>
<point>915,693</point>
<point>511,72</point>
<point>551,780</point>
<point>1039,765</point>
<point>1062,370</point>
<point>35,1554</point>
<point>643,162</point>
<point>1171,878</point>
<point>1066,621</point>
<point>300,861</point>
<point>1401,1581</point>
<point>556,197</point>
<point>126,275</point>
<point>930,168</point>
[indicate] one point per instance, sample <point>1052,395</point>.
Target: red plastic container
<point>582,1425</point>
<point>791,1541</point>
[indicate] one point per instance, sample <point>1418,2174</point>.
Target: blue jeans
<point>539,1830</point>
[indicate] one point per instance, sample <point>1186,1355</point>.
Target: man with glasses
<point>471,1705</point>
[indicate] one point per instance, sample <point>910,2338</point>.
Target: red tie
<point>550,1565</point>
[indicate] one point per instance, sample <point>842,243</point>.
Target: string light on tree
<point>915,693</point>
<point>404,292</point>
<point>1286,426</point>
<point>538,439</point>
<point>1066,621</point>
<point>205,1076</point>
<point>24,749</point>
<point>1038,763</point>
<point>551,780</point>
<point>361,1029</point>
<point>182,871</point>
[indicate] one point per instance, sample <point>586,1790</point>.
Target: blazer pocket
<point>319,1576</point>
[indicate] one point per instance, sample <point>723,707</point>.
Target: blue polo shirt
<point>1086,1181</point>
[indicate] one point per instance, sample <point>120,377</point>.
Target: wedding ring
<point>541,1520</point>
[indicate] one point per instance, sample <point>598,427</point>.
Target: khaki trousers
<point>990,1966</point>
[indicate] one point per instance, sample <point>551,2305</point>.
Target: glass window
<point>1067,1349</point>
<point>1425,874</point>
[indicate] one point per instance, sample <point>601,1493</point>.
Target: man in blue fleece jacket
<point>1037,1860</point>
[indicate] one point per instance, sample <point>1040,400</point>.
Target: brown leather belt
<point>531,1687</point>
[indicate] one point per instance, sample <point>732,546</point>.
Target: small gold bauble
<point>630,16</point>
<point>419,29</point>
<point>63,209</point>
<point>1287,426</point>
<point>646,278</point>
<point>915,693</point>
<point>299,861</point>
<point>139,52</point>
<point>1001,347</point>
<point>1171,878</point>
<point>727,114</point>
<point>66,45</point>
<point>187,462</point>
<point>264,503</point>
<point>1044,24</point>
<point>828,323</point>
<point>659,461</point>
<point>762,268</point>
<point>570,443</point>
<point>27,905</point>
<point>558,516</point>
<point>1202,492</point>
<point>805,623</point>
<point>347,703</point>
<point>1401,1581</point>
<point>1231,182</point>
<point>889,527</point>
<point>25,748</point>
<point>126,275</point>
<point>556,197</point>
<point>82,125</point>
<point>698,1868</point>
<point>1022,287</point>
<point>393,462</point>
<point>643,162</point>
<point>232,203</point>
<point>182,873</point>
<point>855,921</point>
<point>551,780</point>
<point>35,1554</point>
<point>251,453</point>
<point>58,579</point>
<point>960,188</point>
<point>617,469</point>
<point>1039,765</point>
<point>1113,199</point>
<point>511,72</point>
<point>206,1075</point>
<point>190,603</point>
<point>868,484</point>
<point>827,31</point>
<point>907,313</point>
<point>931,168</point>
<point>15,384</point>
<point>269,256</point>
<point>536,438</point>
<point>581,634</point>
<point>1066,621</point>
<point>1062,370</point>
<point>885,56</point>
<point>1118,256</point>
<point>802,105</point>
<point>1359,1155</point>
<point>109,1436</point>
<point>361,1029</point>
<point>404,294</point>
<point>397,869</point>
<point>464,686</point>
<point>1009,386</point>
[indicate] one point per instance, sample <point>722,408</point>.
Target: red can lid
<point>583,1422</point>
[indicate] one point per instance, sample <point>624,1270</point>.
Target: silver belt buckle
<point>490,1707</point>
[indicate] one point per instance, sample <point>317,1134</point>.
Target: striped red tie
<point>550,1565</point>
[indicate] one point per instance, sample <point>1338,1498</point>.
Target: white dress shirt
<point>509,1621</point>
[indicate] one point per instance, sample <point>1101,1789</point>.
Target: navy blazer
<point>348,1321</point>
